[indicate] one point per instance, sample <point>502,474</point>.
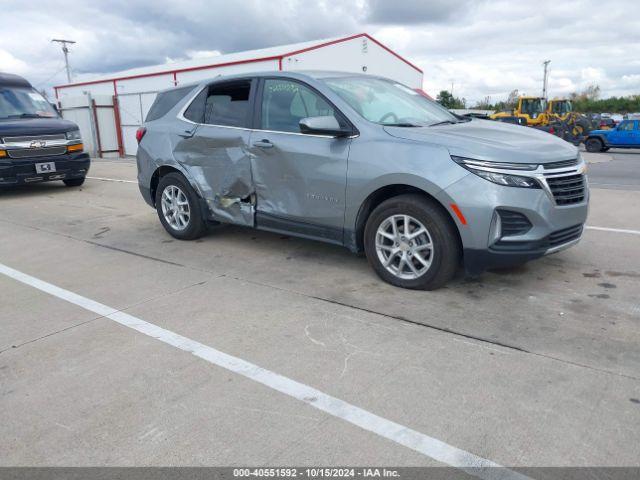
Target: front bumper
<point>22,171</point>
<point>553,227</point>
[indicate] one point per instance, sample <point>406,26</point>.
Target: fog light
<point>495,231</point>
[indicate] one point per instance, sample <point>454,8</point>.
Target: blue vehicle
<point>625,135</point>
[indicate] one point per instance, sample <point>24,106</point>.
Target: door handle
<point>187,133</point>
<point>264,143</point>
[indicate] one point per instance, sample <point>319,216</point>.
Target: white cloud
<point>12,64</point>
<point>485,47</point>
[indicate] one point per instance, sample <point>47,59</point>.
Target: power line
<point>65,50</point>
<point>39,84</point>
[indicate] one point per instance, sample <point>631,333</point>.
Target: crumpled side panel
<point>219,162</point>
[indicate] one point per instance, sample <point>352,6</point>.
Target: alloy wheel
<point>175,207</point>
<point>404,247</point>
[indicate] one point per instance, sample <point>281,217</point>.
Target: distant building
<point>133,91</point>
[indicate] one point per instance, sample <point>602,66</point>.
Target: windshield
<point>24,103</point>
<point>389,103</point>
<point>561,107</point>
<point>532,105</point>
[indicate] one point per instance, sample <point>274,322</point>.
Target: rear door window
<point>227,104</point>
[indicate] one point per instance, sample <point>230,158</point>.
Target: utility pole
<point>545,78</point>
<point>65,50</point>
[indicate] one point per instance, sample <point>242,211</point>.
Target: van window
<point>285,103</point>
<point>228,104</point>
<point>19,102</point>
<point>165,101</point>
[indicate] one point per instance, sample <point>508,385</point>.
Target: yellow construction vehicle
<point>554,116</point>
<point>560,111</point>
<point>530,111</point>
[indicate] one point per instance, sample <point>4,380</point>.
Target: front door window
<point>285,103</point>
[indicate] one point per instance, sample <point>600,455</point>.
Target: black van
<point>36,144</point>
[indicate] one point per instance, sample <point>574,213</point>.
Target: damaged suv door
<point>215,152</point>
<point>299,172</point>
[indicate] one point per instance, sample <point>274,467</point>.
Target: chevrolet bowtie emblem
<point>38,144</point>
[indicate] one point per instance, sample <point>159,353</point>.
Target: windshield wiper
<point>444,122</point>
<point>26,115</point>
<point>402,124</point>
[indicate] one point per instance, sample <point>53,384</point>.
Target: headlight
<point>491,171</point>
<point>74,135</point>
<point>507,180</point>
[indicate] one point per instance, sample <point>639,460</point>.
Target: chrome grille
<point>36,152</point>
<point>31,138</point>
<point>567,189</point>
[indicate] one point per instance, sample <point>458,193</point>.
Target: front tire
<point>594,145</point>
<point>178,208</point>
<point>411,243</point>
<point>73,182</point>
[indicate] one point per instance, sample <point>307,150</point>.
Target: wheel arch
<point>160,172</point>
<point>598,136</point>
<point>375,198</point>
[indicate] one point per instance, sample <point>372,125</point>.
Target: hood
<point>14,127</point>
<point>600,132</point>
<point>493,141</point>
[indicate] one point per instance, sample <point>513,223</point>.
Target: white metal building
<point>133,91</point>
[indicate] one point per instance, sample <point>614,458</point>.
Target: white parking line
<point>112,180</point>
<point>616,230</point>
<point>421,443</point>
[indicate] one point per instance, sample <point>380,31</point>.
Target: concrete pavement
<point>537,366</point>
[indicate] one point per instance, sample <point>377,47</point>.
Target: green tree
<point>447,100</point>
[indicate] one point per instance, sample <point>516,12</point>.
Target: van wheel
<point>411,243</point>
<point>178,208</point>
<point>593,145</point>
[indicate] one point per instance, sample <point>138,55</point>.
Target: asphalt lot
<point>535,366</point>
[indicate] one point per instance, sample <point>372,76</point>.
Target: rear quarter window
<point>165,101</point>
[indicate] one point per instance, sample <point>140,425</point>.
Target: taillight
<point>140,133</point>
<point>552,131</point>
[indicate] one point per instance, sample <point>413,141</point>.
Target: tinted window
<point>165,101</point>
<point>195,111</point>
<point>285,103</point>
<point>626,126</point>
<point>228,104</point>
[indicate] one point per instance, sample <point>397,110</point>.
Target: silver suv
<point>364,162</point>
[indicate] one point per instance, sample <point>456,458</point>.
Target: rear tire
<point>178,208</point>
<point>593,145</point>
<point>74,182</point>
<point>401,259</point>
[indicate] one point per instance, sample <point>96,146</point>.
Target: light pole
<point>545,78</point>
<point>65,50</point>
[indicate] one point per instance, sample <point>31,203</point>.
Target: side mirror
<point>326,125</point>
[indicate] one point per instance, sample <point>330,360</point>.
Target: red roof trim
<point>170,72</point>
<point>239,62</point>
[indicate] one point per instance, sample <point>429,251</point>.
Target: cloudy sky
<point>486,48</point>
